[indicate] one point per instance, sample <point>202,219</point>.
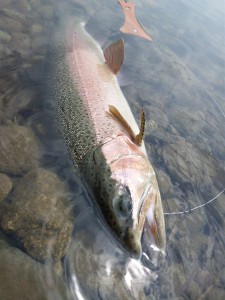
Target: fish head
<point>130,198</point>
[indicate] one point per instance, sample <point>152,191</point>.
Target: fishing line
<point>196,207</point>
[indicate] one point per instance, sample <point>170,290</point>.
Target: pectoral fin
<point>131,25</point>
<point>136,138</point>
<point>139,136</point>
<point>114,55</point>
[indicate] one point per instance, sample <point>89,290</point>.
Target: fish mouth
<point>155,225</point>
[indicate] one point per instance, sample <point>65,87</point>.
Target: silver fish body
<point>117,171</point>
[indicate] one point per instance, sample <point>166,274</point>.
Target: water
<point>178,79</point>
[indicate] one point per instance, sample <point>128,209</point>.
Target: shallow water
<point>179,80</point>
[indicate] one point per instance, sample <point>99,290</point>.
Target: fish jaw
<point>129,194</point>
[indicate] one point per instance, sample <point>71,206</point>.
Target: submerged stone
<point>4,50</point>
<point>12,14</point>
<point>19,150</point>
<point>5,37</point>
<point>187,164</point>
<point>38,215</point>
<point>5,186</point>
<point>91,276</point>
<point>23,5</point>
<point>23,278</point>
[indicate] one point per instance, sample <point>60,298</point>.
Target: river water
<point>52,243</point>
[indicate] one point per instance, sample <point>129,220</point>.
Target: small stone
<point>12,14</point>
<point>4,50</point>
<point>38,214</point>
<point>19,149</point>
<point>5,186</point>
<point>6,3</point>
<point>21,102</point>
<point>21,43</point>
<point>46,11</point>
<point>24,5</point>
<point>158,116</point>
<point>35,3</point>
<point>37,28</point>
<point>11,25</point>
<point>5,37</point>
<point>165,184</point>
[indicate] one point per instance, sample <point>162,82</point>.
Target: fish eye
<point>123,204</point>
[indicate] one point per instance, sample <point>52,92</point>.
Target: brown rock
<point>19,149</point>
<point>23,278</point>
<point>38,215</point>
<point>5,186</point>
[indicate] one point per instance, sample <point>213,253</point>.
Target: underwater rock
<point>21,43</point>
<point>157,115</point>
<point>6,3</point>
<point>188,122</point>
<point>37,28</point>
<point>4,50</point>
<point>91,274</point>
<point>11,13</point>
<point>10,25</point>
<point>23,5</point>
<point>5,186</point>
<point>21,104</point>
<point>35,3</point>
<point>38,214</point>
<point>165,184</point>
<point>23,278</point>
<point>19,150</point>
<point>46,11</point>
<point>187,164</point>
<point>5,37</point>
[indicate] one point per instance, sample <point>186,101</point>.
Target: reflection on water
<point>179,81</point>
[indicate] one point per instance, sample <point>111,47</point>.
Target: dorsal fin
<point>114,55</point>
<point>136,138</point>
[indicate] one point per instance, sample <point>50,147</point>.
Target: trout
<point>102,136</point>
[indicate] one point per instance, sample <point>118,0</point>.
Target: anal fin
<point>136,138</point>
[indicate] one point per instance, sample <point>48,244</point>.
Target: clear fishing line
<point>196,207</point>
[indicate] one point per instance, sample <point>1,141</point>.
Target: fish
<point>131,24</point>
<point>102,137</point>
